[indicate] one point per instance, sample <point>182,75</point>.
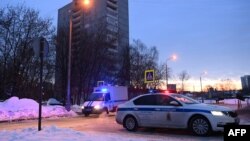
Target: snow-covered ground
<point>15,109</point>
<point>54,133</point>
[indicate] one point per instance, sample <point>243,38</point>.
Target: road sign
<point>149,76</point>
<point>37,46</point>
<point>41,49</point>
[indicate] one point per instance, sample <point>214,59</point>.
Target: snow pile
<point>76,108</point>
<point>18,109</point>
<point>16,104</point>
<point>53,133</point>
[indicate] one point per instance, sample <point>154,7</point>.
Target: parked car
<point>174,111</point>
<point>53,101</point>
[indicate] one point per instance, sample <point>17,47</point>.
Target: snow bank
<point>17,109</point>
<point>228,101</point>
<point>16,104</point>
<point>76,108</point>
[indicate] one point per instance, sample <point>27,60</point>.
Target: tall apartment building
<point>111,13</point>
<point>245,82</point>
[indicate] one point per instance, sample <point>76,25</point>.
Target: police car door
<point>168,115</point>
<point>145,110</point>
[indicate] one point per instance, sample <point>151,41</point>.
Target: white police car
<point>174,111</point>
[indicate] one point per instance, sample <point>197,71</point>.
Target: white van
<point>105,98</point>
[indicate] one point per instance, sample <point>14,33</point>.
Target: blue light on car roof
<point>104,90</point>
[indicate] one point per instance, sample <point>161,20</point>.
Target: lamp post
<point>201,88</point>
<point>203,73</point>
<point>173,57</point>
<point>68,103</point>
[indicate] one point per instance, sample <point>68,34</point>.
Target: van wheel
<point>200,126</point>
<point>130,123</point>
<point>86,114</point>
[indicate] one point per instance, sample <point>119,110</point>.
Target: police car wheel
<point>130,123</point>
<point>200,126</point>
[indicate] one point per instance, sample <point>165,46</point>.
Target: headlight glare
<point>217,113</point>
<point>97,107</point>
<point>82,107</point>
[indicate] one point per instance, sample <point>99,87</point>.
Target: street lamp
<point>173,57</point>
<point>85,3</point>
<point>203,73</point>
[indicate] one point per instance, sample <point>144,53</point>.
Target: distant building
<point>245,82</point>
<point>114,13</point>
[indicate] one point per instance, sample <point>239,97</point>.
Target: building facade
<point>245,82</point>
<point>105,18</point>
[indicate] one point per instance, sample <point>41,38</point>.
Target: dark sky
<point>207,35</point>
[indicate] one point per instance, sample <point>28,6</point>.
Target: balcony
<point>113,1</point>
<point>112,5</point>
<point>112,13</point>
<point>76,14</point>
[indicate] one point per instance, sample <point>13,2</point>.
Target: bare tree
<point>229,85</point>
<point>183,76</point>
<point>225,85</point>
<point>159,75</point>
<point>19,69</point>
<point>209,88</point>
<point>141,58</point>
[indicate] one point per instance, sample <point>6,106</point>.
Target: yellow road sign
<point>149,76</point>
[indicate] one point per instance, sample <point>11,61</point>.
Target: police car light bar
<point>166,92</point>
<point>151,91</point>
<point>104,90</point>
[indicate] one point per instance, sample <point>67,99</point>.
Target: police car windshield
<point>96,97</point>
<point>184,99</point>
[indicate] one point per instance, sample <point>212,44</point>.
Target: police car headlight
<point>97,107</point>
<point>217,113</point>
<point>82,107</point>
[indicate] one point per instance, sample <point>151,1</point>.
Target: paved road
<point>106,124</point>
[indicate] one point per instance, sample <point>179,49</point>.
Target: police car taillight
<point>166,92</point>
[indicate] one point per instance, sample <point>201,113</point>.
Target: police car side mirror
<point>174,103</point>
